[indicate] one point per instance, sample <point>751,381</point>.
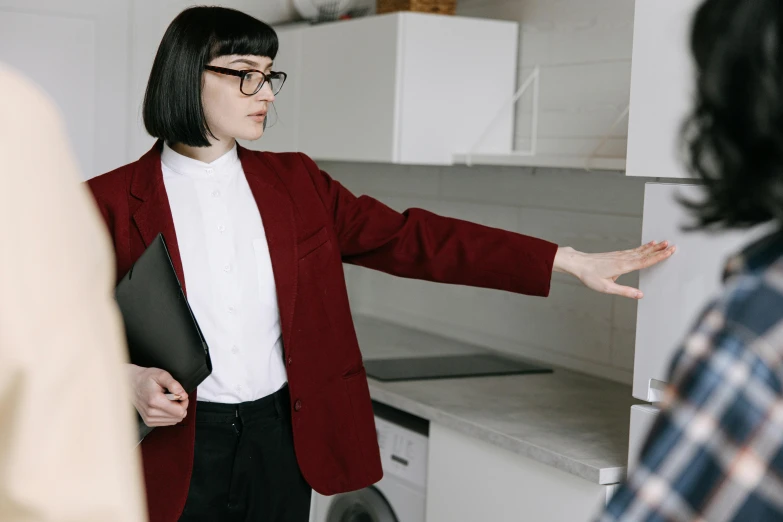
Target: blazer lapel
<point>277,214</point>
<point>152,213</point>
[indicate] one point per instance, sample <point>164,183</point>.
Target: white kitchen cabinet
<point>643,417</point>
<point>662,80</point>
<point>404,88</point>
<point>470,480</point>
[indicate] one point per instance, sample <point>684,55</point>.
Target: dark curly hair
<point>733,139</point>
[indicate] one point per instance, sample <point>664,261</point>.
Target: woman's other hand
<point>149,386</point>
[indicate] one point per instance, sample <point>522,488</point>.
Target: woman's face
<point>229,112</point>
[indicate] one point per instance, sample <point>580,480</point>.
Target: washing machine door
<point>365,505</point>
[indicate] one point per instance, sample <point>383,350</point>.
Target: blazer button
<point>298,405</point>
<point>290,360</point>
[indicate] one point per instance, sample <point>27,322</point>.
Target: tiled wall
<point>574,327</point>
<point>583,49</point>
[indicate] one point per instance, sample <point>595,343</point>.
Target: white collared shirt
<point>228,275</point>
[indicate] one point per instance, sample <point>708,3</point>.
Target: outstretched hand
<point>600,271</point>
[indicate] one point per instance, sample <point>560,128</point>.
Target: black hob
<point>448,367</point>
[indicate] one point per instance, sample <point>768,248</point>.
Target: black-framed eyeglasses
<point>253,80</point>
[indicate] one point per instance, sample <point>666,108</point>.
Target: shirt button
<point>227,268</point>
<point>235,350</point>
<point>231,309</point>
<point>209,171</point>
<point>239,388</point>
<point>215,193</point>
<point>297,405</point>
<point>221,228</point>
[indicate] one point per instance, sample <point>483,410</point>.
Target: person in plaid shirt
<point>716,451</point>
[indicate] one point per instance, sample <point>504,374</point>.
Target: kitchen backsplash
<point>574,327</point>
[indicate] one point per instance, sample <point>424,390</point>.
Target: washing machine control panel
<point>403,452</point>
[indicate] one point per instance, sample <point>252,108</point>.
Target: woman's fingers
<point>623,291</point>
<point>650,257</point>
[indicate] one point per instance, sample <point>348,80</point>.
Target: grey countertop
<point>570,421</point>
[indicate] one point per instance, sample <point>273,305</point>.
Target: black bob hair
<point>172,103</point>
<point>733,139</point>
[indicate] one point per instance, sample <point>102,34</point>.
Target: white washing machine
<point>400,496</point>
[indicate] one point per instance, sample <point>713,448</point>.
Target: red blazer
<point>313,226</point>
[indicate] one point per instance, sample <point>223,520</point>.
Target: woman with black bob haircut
<point>258,240</point>
<point>716,450</point>
<point>173,107</point>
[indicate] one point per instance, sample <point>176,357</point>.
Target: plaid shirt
<point>716,450</point>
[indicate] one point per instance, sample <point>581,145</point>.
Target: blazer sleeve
<point>418,244</point>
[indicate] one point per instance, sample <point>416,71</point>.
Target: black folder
<point>159,324</point>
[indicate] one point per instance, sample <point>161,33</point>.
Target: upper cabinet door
<point>349,90</point>
<point>282,131</point>
<point>77,52</point>
<point>451,87</point>
<point>662,78</point>
<point>405,88</point>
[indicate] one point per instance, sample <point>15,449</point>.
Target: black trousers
<point>244,467</point>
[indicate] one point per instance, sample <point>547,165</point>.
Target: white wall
<point>75,52</point>
<point>574,327</point>
<point>93,57</point>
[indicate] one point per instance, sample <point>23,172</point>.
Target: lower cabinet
<point>472,481</point>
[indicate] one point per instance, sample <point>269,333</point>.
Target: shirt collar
<point>226,164</point>
<point>755,257</point>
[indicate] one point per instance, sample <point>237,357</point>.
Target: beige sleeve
<point>66,428</point>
